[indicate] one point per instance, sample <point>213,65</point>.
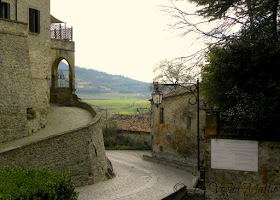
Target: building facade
<point>174,127</point>
<point>32,44</point>
<point>29,60</point>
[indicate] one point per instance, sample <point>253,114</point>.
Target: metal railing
<point>61,32</point>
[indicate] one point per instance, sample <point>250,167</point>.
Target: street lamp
<point>157,99</point>
<point>157,95</point>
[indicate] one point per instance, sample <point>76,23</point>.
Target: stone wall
<point>62,49</point>
<point>27,61</point>
<point>17,89</point>
<point>131,130</point>
<point>233,184</point>
<point>226,184</point>
<point>129,138</point>
<point>175,138</point>
<point>81,151</point>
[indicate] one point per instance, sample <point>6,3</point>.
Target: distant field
<point>119,103</point>
<point>113,96</point>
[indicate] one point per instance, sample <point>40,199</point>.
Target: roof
<point>137,123</point>
<point>55,20</point>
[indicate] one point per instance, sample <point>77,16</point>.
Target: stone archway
<point>61,84</point>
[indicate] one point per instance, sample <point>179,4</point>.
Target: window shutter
<point>34,20</point>
<point>8,11</point>
<point>31,20</point>
<point>1,9</point>
<point>37,22</point>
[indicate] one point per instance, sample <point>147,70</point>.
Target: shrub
<point>111,129</point>
<point>22,183</point>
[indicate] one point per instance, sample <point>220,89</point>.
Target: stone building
<point>174,128</point>
<point>29,59</point>
<point>133,130</point>
<point>32,44</point>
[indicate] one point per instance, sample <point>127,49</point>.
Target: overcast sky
<point>122,37</point>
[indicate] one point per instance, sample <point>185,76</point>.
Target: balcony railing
<point>61,32</point>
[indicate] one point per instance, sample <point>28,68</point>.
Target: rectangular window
<point>162,115</point>
<point>34,20</point>
<point>4,10</point>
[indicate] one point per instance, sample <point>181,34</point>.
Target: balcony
<point>61,32</point>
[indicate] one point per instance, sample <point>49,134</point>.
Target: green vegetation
<point>90,81</point>
<point>109,130</point>
<point>119,104</point>
<point>21,183</point>
<point>241,74</point>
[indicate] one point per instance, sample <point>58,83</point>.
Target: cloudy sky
<point>123,37</point>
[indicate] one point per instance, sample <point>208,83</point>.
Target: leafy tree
<point>241,78</point>
<point>240,75</point>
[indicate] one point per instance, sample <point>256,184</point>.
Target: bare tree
<point>172,72</point>
<point>211,22</point>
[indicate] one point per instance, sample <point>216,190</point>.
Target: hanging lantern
<point>157,95</point>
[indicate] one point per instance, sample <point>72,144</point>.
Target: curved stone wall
<point>81,151</point>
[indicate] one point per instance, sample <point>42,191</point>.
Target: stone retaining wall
<point>81,151</point>
<point>233,184</point>
<point>262,183</point>
<point>127,138</point>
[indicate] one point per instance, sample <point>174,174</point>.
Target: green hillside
<point>90,81</point>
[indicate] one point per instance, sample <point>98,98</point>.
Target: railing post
<point>65,36</point>
<point>55,35</point>
<point>71,33</point>
<point>60,30</point>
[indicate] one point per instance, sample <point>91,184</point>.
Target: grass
<point>119,104</point>
<point>114,96</point>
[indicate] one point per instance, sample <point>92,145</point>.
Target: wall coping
<point>96,118</point>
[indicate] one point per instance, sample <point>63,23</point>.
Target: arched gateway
<point>62,81</point>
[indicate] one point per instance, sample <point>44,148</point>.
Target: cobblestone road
<point>136,179</point>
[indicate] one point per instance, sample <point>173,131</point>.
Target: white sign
<point>234,154</point>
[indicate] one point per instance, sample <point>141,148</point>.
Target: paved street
<point>136,179</point>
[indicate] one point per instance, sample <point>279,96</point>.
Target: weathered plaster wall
<point>81,151</point>
<point>175,139</point>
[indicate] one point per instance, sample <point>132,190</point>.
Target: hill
<point>90,81</point>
